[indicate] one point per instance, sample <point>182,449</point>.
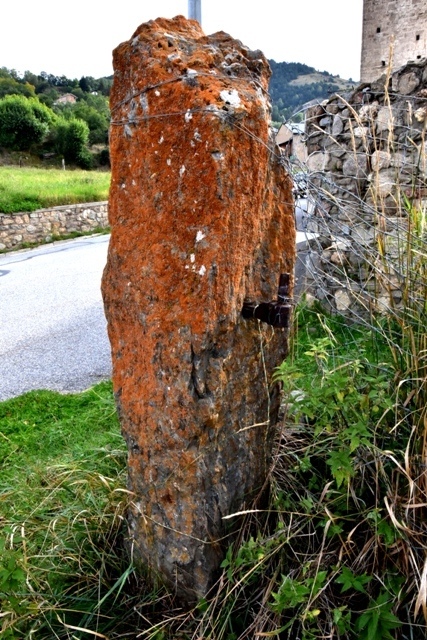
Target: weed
<point>334,555</point>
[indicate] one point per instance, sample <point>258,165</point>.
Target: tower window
<point>378,29</point>
<point>383,63</point>
<point>417,37</point>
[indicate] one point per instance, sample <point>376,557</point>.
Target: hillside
<point>65,101</point>
<point>48,118</point>
<point>293,84</point>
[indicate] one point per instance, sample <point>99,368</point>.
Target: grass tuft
<point>62,505</point>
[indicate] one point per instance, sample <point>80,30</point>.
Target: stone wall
<point>367,170</point>
<point>42,225</point>
<point>396,28</point>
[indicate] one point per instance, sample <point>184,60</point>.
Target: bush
<point>23,122</point>
<point>11,86</point>
<point>94,111</point>
<point>85,159</point>
<point>72,137</point>
<point>103,158</point>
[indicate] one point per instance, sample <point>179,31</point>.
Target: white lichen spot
<point>161,139</point>
<point>123,185</point>
<point>197,136</point>
<point>231,97</point>
<point>133,183</point>
<point>143,101</point>
<point>191,73</point>
<point>182,171</point>
<point>262,97</point>
<point>128,131</point>
<point>199,236</point>
<point>188,116</point>
<point>192,257</point>
<point>169,162</point>
<point>157,93</point>
<point>202,270</point>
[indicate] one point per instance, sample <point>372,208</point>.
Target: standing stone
<point>202,221</point>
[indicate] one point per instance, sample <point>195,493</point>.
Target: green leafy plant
<point>377,622</point>
<point>23,121</point>
<point>72,138</point>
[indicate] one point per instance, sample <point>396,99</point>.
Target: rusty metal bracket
<point>277,313</point>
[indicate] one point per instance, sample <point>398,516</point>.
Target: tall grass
<point>28,189</point>
<point>62,500</point>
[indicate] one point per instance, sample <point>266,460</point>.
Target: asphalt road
<point>52,325</point>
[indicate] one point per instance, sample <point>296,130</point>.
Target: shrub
<point>23,122</point>
<point>85,159</point>
<point>72,137</point>
<point>94,111</point>
<point>11,86</point>
<point>103,158</point>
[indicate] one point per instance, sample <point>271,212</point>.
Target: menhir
<point>202,224</point>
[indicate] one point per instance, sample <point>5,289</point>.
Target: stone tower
<point>392,29</point>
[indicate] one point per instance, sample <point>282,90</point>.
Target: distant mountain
<point>292,84</point>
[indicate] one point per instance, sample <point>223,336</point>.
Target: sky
<point>76,38</point>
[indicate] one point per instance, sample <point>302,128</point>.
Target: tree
<point>23,122</point>
<point>93,109</point>
<point>86,84</point>
<point>72,137</point>
<point>9,86</point>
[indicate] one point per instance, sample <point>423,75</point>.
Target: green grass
<point>28,189</point>
<point>39,425</point>
<point>62,499</point>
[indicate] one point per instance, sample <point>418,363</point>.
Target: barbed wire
<point>189,78</point>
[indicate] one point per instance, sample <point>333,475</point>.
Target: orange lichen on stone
<point>202,220</point>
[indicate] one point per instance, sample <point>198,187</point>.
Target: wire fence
<point>364,189</point>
